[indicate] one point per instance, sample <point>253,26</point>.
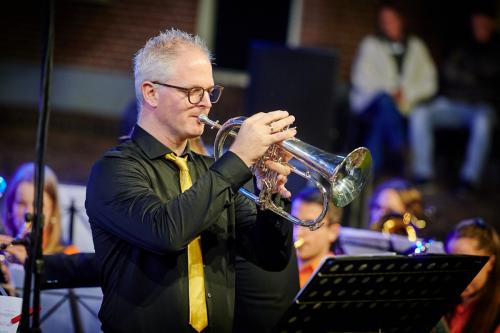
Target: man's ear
<point>149,93</point>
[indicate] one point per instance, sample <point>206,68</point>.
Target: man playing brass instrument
<point>167,222</point>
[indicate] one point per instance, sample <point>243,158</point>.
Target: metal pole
<point>34,265</point>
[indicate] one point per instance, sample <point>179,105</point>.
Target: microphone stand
<point>34,263</point>
<point>72,212</point>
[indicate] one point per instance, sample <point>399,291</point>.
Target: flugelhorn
<point>346,176</point>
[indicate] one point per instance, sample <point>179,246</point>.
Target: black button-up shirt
<point>141,225</point>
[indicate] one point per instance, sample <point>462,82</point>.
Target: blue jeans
<point>447,113</point>
<point>386,129</point>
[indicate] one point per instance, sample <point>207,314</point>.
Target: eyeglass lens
<point>196,94</point>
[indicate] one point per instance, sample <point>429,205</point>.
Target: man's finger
<point>284,192</point>
<point>273,116</point>
<point>278,167</point>
<point>282,123</point>
<point>283,135</point>
<point>256,116</point>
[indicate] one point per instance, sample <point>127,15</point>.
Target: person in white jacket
<point>393,72</point>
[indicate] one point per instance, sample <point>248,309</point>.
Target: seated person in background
<point>390,201</point>
<point>479,310</point>
<point>313,246</point>
<point>470,90</point>
<point>18,202</point>
<point>392,73</point>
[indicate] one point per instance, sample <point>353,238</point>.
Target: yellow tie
<point>198,317</point>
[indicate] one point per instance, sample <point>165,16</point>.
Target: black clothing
<point>472,73</point>
<point>141,225</point>
<point>262,296</point>
<point>69,271</point>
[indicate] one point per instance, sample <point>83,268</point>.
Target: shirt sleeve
<point>121,201</point>
<point>70,271</point>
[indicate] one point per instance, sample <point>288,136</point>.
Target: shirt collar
<point>151,146</point>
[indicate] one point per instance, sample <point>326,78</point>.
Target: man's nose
<point>205,101</point>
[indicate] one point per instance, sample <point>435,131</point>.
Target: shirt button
<point>209,295</point>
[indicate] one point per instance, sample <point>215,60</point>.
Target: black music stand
<point>386,294</point>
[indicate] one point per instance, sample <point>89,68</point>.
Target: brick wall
<point>338,24</point>
<point>105,34</point>
<point>74,143</point>
<point>98,35</point>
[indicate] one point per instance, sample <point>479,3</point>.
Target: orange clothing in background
<point>306,271</point>
<point>71,249</point>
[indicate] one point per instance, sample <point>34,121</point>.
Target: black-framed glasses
<point>195,94</point>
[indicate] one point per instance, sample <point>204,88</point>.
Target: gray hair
<point>153,61</point>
